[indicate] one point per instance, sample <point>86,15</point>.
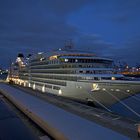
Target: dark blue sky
<point>109,28</point>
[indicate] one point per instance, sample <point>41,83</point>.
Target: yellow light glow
<point>53,57</point>
<point>95,87</point>
<point>113,78</point>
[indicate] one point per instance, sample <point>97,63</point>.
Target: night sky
<point>107,27</point>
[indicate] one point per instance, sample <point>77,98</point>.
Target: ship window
<point>106,78</point>
<point>56,88</point>
<point>87,71</point>
<point>80,71</point>
<point>96,78</point>
<point>48,86</point>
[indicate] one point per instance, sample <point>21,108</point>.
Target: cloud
<point>132,51</point>
<point>117,10</point>
<point>33,25</point>
<point>94,43</point>
<point>64,7</point>
<point>129,52</point>
<point>40,25</point>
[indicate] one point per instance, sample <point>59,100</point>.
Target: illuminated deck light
<point>24,84</point>
<point>113,78</point>
<point>40,52</point>
<point>60,92</point>
<point>95,87</point>
<point>104,89</point>
<point>128,90</point>
<point>53,57</point>
<point>66,60</point>
<point>34,86</point>
<point>43,89</point>
<point>117,90</point>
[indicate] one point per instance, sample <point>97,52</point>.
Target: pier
<point>11,126</point>
<point>63,119</point>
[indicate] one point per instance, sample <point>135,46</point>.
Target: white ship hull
<point>73,74</point>
<point>105,93</point>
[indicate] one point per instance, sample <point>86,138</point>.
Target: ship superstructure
<point>77,75</point>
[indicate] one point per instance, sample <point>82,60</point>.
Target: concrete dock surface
<point>58,122</point>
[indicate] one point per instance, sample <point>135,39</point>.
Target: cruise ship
<point>77,75</point>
